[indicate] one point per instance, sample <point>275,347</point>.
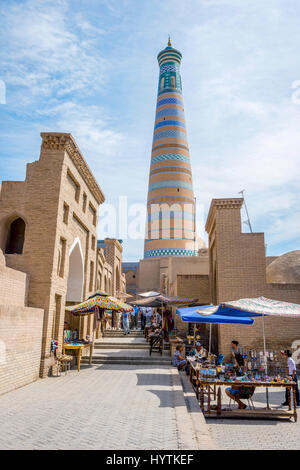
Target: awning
<point>162,300</point>
<point>255,307</point>
<point>190,315</point>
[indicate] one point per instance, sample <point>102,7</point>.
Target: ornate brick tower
<point>171,227</point>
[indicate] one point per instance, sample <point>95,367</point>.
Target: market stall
<point>260,368</point>
<point>97,304</point>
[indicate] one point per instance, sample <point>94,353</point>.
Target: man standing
<point>293,375</point>
<point>143,318</point>
<point>134,317</point>
<point>126,323</point>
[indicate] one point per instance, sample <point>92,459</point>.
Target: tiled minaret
<point>170,208</point>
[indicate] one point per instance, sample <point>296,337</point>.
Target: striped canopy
<point>254,307</point>
<point>107,303</point>
<point>163,300</point>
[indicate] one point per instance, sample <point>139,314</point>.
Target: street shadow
<point>168,398</point>
<point>153,379</point>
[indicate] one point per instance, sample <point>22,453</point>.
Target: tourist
<point>293,375</point>
<point>148,316</point>
<point>125,319</point>
<point>134,318</point>
<point>178,359</point>
<point>143,317</point>
<point>238,359</point>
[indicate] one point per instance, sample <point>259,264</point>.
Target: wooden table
<point>195,381</point>
<point>78,349</point>
<point>249,413</point>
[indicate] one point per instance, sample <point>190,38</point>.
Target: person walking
<point>125,318</point>
<point>134,318</point>
<point>292,371</point>
<point>143,318</point>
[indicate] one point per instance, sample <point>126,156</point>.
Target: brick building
<point>238,269</point>
<point>48,230</point>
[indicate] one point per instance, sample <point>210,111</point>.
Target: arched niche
<point>15,237</point>
<point>76,273</point>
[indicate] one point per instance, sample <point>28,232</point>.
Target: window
<point>94,214</point>
<point>73,181</point>
<point>173,85</point>
<point>162,83</point>
<point>57,318</point>
<point>16,236</point>
<point>66,213</point>
<point>62,257</point>
<point>93,242</point>
<point>84,202</point>
<point>91,275</point>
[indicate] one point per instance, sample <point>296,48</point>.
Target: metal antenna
<point>248,218</point>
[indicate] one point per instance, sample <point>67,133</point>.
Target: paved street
<point>103,407</point>
<point>256,434</point>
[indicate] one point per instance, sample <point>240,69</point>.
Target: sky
<point>89,67</point>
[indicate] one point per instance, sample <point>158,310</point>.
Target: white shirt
<point>291,365</point>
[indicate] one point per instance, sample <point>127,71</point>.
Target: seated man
<point>178,360</point>
<point>236,392</point>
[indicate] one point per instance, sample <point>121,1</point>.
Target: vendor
<point>293,375</point>
<point>178,359</point>
<point>236,392</point>
<point>198,351</point>
<point>238,359</point>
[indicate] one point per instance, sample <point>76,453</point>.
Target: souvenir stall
<point>161,302</point>
<point>260,368</point>
<point>101,305</point>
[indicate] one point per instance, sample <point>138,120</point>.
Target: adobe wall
<point>58,202</point>
<point>20,346</point>
<point>238,270</point>
<point>13,285</point>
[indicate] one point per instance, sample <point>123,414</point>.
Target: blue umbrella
<point>189,314</point>
<point>194,317</point>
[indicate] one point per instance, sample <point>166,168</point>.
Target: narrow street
<point>109,405</point>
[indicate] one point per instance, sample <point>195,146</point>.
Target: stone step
<point>120,334</point>
<point>129,360</point>
<point>116,345</point>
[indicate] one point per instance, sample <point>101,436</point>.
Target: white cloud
<point>44,53</point>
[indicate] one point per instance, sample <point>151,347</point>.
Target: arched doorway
<point>76,273</point>
<point>16,236</point>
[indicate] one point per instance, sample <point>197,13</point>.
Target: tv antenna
<point>248,218</point>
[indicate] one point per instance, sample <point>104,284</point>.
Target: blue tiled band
<point>169,123</point>
<point>169,252</point>
<point>169,134</point>
<point>170,156</point>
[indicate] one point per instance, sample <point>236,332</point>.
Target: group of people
<point>235,392</point>
<point>146,315</point>
<point>179,360</point>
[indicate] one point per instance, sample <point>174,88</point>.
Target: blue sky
<point>89,68</point>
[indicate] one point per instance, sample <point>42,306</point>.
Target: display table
<point>194,373</point>
<point>267,412</point>
<point>78,349</point>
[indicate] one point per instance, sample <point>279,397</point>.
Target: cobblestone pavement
<point>102,407</point>
<point>256,434</point>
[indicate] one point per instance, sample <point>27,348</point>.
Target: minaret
<point>170,208</point>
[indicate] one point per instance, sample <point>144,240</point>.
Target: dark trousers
<point>143,322</point>
<point>297,393</point>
